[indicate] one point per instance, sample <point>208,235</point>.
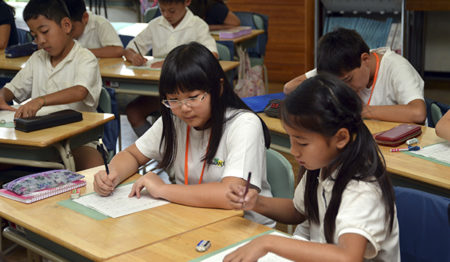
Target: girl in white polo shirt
<point>345,195</point>
<point>206,136</point>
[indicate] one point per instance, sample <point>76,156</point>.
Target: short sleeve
<point>88,76</point>
<point>299,201</point>
<point>148,143</point>
<point>216,13</point>
<point>144,39</point>
<point>107,34</point>
<point>408,84</point>
<point>311,73</point>
<point>204,37</point>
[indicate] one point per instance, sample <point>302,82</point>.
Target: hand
<point>29,109</point>
<point>5,106</point>
<point>251,251</point>
<point>104,184</point>
<point>152,182</point>
<point>138,60</point>
<point>236,196</point>
<point>158,64</point>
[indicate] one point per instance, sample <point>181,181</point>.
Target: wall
<point>437,41</point>
<point>290,49</point>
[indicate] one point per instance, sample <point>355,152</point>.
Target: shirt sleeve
<point>407,83</point>
<point>246,149</point>
<point>144,39</point>
<point>216,13</point>
<point>204,37</point>
<point>311,73</point>
<point>88,76</point>
<point>107,34</point>
<point>148,143</point>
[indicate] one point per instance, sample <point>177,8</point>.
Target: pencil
<point>102,150</point>
<point>139,51</point>
<point>248,183</point>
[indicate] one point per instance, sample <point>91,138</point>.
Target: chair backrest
<point>435,110</point>
<point>104,102</point>
<point>424,224</point>
<point>151,13</point>
<point>224,52</point>
<point>279,174</point>
<point>24,36</point>
<point>256,21</point>
<point>107,104</point>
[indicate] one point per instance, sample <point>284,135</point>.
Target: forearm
<point>293,84</point>
<point>443,127</point>
<point>66,96</point>
<point>122,166</point>
<point>6,95</point>
<point>108,51</point>
<point>279,209</point>
<point>414,112</point>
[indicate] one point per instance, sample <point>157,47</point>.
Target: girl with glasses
<point>206,137</point>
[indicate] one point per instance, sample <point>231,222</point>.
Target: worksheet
<point>118,203</point>
<point>152,63</point>
<point>439,152</point>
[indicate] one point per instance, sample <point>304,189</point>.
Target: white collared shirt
<point>39,77</point>
<point>361,212</point>
<point>161,37</point>
<point>99,33</point>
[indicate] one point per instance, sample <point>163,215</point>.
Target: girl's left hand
<point>29,109</point>
<point>151,181</point>
<point>251,251</point>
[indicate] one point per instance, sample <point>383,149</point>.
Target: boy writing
<point>390,88</point>
<point>60,74</point>
<point>93,32</point>
<point>175,27</point>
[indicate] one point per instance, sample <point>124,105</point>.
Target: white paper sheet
<point>440,152</point>
<point>148,64</point>
<point>119,204</point>
<point>269,257</point>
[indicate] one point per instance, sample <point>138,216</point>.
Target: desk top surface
<point>182,248</point>
<point>109,67</point>
<point>240,39</point>
<point>100,240</point>
<point>49,136</point>
<point>397,162</point>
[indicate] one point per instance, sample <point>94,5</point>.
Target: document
<point>220,254</point>
<point>439,152</point>
<point>118,203</point>
<point>151,64</point>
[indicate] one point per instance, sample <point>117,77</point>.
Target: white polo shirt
<point>98,33</point>
<point>39,77</point>
<point>240,150</point>
<point>161,37</point>
<point>361,212</point>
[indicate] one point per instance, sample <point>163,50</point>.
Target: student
<point>93,32</point>
<point>176,26</point>
<point>215,13</point>
<point>345,196</point>
<point>8,31</point>
<point>205,149</point>
<point>389,86</point>
<point>443,126</point>
<point>60,74</point>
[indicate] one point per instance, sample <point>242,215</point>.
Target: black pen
<point>139,51</point>
<point>248,184</point>
<point>101,148</point>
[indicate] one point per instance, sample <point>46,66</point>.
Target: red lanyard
<point>374,77</point>
<point>186,158</point>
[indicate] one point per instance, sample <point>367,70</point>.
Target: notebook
<point>43,194</point>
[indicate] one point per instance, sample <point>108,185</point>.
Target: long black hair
<point>192,67</point>
<point>324,104</point>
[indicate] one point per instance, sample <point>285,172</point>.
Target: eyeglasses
<point>190,102</point>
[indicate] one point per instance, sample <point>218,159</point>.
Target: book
<point>42,194</point>
<point>233,32</point>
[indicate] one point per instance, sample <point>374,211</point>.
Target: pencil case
<point>40,181</point>
<point>398,135</point>
<point>54,119</point>
<point>273,108</point>
<point>20,50</point>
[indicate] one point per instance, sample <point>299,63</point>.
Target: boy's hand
<point>237,200</point>
<point>104,184</point>
<point>29,109</point>
<point>5,106</point>
<point>152,182</point>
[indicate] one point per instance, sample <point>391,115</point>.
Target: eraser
<point>203,245</point>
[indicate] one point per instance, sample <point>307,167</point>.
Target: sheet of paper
<point>147,66</point>
<point>7,115</point>
<point>269,257</point>
<point>119,204</point>
<point>440,152</point>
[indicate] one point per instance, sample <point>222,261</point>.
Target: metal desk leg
<point>66,154</point>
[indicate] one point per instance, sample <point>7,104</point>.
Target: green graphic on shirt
<point>218,162</point>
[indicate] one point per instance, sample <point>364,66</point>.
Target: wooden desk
<point>99,240</point>
<point>182,247</point>
<point>48,147</point>
<point>130,81</point>
<point>407,170</point>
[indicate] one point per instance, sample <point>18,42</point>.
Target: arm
<point>122,166</point>
<point>443,126</point>
<point>350,247</point>
<point>6,96</point>
<point>293,84</point>
<point>65,96</point>
<point>108,51</point>
<point>5,30</point>
<point>135,58</point>
<point>413,112</point>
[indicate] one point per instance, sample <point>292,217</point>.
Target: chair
<point>24,36</point>
<point>424,224</point>
<point>225,54</point>
<point>280,177</point>
<point>151,13</point>
<point>107,104</point>
<point>435,110</point>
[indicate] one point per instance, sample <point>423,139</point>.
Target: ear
<point>66,25</point>
<point>365,58</point>
<point>187,2</point>
<point>85,18</point>
<point>342,138</point>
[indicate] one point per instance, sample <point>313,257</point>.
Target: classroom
<point>224,130</point>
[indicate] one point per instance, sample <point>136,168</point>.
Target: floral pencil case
<point>40,181</point>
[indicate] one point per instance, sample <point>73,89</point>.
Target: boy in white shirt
<point>175,27</point>
<point>390,88</point>
<point>61,74</point>
<point>93,32</point>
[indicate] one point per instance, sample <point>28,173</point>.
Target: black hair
<point>340,51</point>
<point>76,9</point>
<point>192,67</point>
<point>54,10</point>
<point>171,1</point>
<point>324,104</point>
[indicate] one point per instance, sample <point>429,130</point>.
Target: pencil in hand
<point>101,148</point>
<point>248,184</point>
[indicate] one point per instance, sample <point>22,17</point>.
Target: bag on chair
<point>250,79</point>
